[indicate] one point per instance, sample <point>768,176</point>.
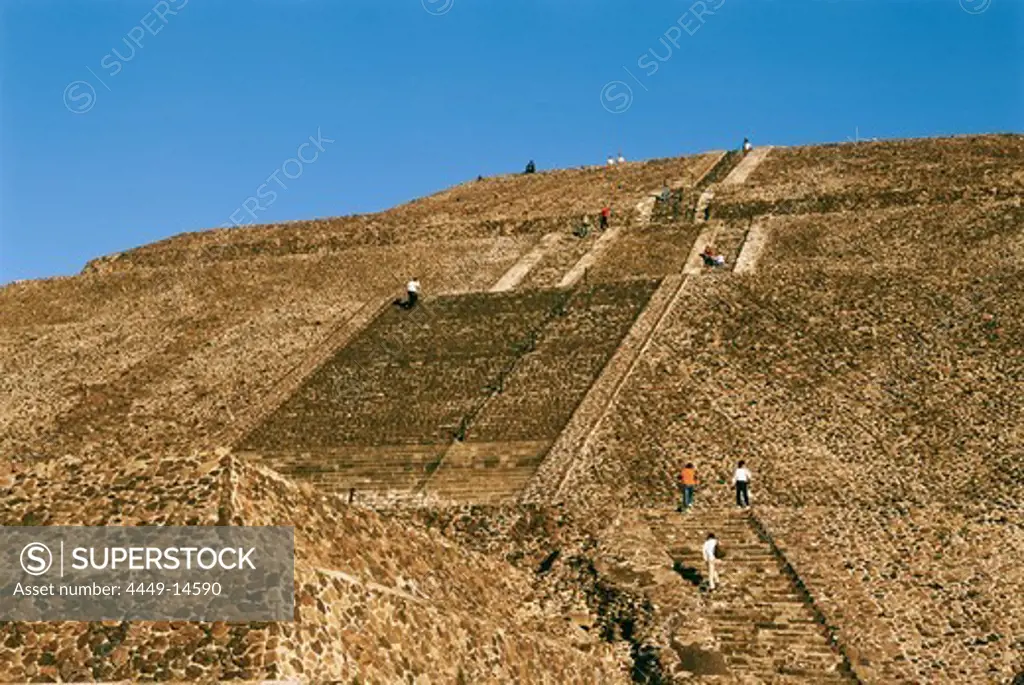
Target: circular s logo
<point>36,558</point>
<point>79,97</point>
<point>616,97</point>
<point>975,6</point>
<point>438,7</point>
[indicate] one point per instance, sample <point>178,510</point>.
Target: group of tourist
<point>531,167</point>
<point>612,161</point>
<point>740,481</point>
<point>689,481</point>
<point>582,229</point>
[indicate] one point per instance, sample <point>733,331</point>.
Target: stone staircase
<point>742,171</point>
<point>700,212</point>
<point>506,441</point>
<point>348,327</point>
<point>729,241</point>
<point>728,237</point>
<point>557,261</point>
<point>658,249</point>
<point>577,433</point>
<point>458,399</point>
<point>760,619</point>
<point>518,271</point>
<point>485,472</point>
<point>753,246</point>
<point>364,471</point>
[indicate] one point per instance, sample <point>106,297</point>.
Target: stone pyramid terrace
<point>483,488</point>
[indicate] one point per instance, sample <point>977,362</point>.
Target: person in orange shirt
<point>688,478</point>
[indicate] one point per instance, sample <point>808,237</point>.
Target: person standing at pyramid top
<point>747,147</point>
<point>621,160</point>
<point>611,161</point>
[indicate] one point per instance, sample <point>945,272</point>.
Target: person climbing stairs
<point>763,624</point>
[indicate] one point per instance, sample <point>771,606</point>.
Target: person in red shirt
<point>688,479</point>
<point>606,214</point>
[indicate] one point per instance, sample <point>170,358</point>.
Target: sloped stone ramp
<point>747,165</point>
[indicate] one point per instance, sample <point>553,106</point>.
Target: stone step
<point>775,636</point>
<point>794,667</point>
<point>777,675</point>
<point>793,614</point>
<point>749,619</point>
<point>453,486</point>
<point>748,610</point>
<point>740,531</point>
<point>748,625</point>
<point>778,653</point>
<point>750,561</point>
<point>762,621</point>
<point>474,492</point>
<point>486,485</point>
<point>809,676</point>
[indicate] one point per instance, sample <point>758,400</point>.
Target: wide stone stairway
<point>459,399</point>
<point>759,619</point>
<point>506,441</point>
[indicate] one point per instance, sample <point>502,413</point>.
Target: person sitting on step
<point>747,147</point>
<point>530,168</point>
<point>711,259</point>
<point>412,292</point>
<point>582,229</point>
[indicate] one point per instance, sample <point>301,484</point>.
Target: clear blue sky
<point>196,110</point>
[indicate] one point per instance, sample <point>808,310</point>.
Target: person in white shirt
<point>741,479</point>
<point>412,291</point>
<point>747,147</point>
<point>622,160</point>
<point>710,545</point>
<point>412,288</point>
<point>611,161</point>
